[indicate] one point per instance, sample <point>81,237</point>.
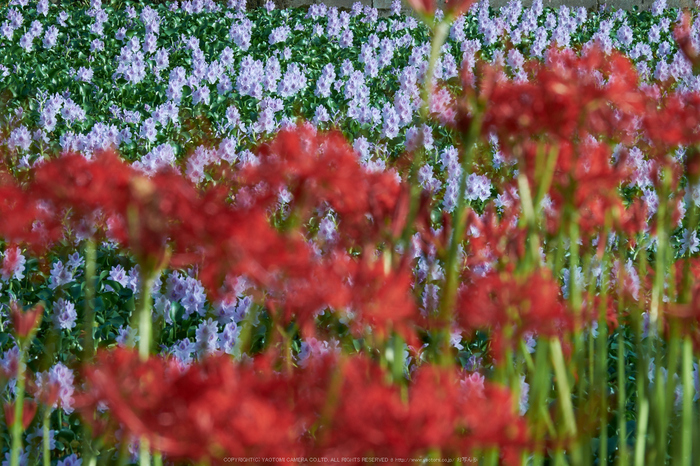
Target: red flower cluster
<point>205,412</point>
<point>439,414</point>
<point>566,96</point>
<point>323,168</point>
<point>510,306</point>
<point>216,408</point>
<point>150,214</point>
<point>672,121</point>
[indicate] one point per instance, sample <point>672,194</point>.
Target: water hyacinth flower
<point>84,74</point>
<point>64,314</point>
<point>293,82</point>
<point>240,33</point>
<point>279,34</point>
<point>70,460</point>
<point>13,264</point>
<point>20,138</point>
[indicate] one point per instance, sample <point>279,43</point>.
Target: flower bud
<point>28,412</point>
<point>25,322</point>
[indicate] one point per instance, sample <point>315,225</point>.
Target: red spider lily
<point>565,97</point>
<point>584,177</point>
<point>44,390</point>
<point>439,414</point>
<point>686,307</point>
<point>383,300</point>
<point>205,412</point>
<point>215,408</point>
<point>28,411</point>
<point>591,307</point>
<point>21,217</point>
<point>318,168</point>
<point>423,7</point>
<point>454,8</point>
<point>682,35</point>
<point>511,305</point>
<point>25,322</point>
<point>144,213</point>
<point>495,238</point>
<point>676,122</point>
<point>10,261</point>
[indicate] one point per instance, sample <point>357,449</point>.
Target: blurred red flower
<point>29,408</point>
<point>511,305</point>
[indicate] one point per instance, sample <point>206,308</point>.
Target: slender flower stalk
<point>90,260</point>
<point>440,32</point>
<point>688,411</point>
<point>46,440</point>
<point>17,429</point>
<point>89,324</point>
<point>449,292</point>
<point>622,458</point>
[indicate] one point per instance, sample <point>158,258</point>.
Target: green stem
<point>89,342</point>
<point>665,399</point>
<point>145,319</point>
<point>246,333</point>
<point>449,291</point>
<point>144,453</point>
<point>642,421</point>
<point>90,259</point>
<point>45,437</point>
<point>123,457</point>
<point>621,398</point>
<point>660,266</point>
<point>529,216</point>
<point>17,429</point>
<point>687,414</point>
<point>642,377</point>
<point>397,364</point>
<point>563,386</point>
<point>439,37</point>
<point>601,350</point>
<point>548,175</point>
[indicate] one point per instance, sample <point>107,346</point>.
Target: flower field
<point>325,236</point>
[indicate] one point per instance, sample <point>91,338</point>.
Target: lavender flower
<point>126,337</point>
<point>427,180</point>
<point>272,74</point>
<point>346,39</point>
<point>201,95</point>
<point>415,138</point>
<point>250,77</point>
<point>206,335</point>
<point>240,33</point>
<point>63,377</point>
<point>321,115</point>
<point>325,81</point>
<point>293,82</point>
<point>229,337</point>
<point>84,74</point>
<point>64,314</point>
<point>689,242</point>
<point>625,35</point>
<point>658,7</point>
<point>70,460</point>
<point>42,7</point>
<point>390,128</point>
<point>279,35</point>
<point>20,138</point>
<point>13,265</point>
